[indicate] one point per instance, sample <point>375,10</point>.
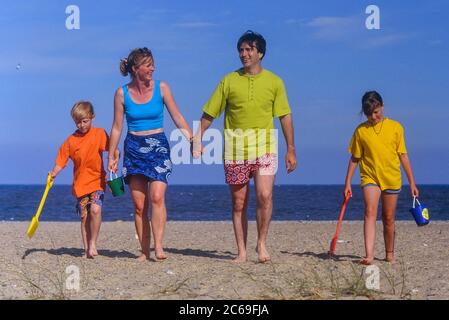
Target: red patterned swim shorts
<point>241,171</point>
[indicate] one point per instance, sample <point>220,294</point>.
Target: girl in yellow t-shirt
<point>378,146</point>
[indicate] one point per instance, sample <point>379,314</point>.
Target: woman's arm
<point>175,114</point>
<point>352,165</point>
<point>116,130</point>
<point>409,172</point>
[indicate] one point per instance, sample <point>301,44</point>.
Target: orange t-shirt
<point>85,150</point>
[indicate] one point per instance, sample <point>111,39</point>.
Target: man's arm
<point>287,129</point>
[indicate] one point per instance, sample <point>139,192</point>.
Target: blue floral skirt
<point>148,156</point>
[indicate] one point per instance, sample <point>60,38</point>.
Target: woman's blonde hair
<point>82,110</point>
<point>135,58</point>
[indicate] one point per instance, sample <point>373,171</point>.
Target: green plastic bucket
<point>116,185</point>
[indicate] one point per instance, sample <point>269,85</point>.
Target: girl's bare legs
<point>139,194</point>
<point>371,196</point>
<point>158,216</point>
<point>389,202</point>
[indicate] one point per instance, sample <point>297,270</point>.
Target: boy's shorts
<point>84,202</point>
<point>241,171</point>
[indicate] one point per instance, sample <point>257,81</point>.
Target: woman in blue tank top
<point>146,161</point>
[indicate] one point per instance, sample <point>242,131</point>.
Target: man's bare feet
<point>264,256</point>
<point>366,261</point>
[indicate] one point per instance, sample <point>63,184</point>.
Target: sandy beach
<point>200,263</point>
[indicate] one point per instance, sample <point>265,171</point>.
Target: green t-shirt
<point>250,103</point>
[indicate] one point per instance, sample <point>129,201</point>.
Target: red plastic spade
<point>337,232</point>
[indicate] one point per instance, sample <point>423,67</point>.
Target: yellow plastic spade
<point>35,221</point>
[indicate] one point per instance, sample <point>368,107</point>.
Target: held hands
<point>196,147</point>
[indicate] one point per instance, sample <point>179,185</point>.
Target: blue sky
<point>321,49</point>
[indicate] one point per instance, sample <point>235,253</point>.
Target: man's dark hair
<point>253,39</point>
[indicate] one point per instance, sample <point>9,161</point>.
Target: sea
<point>213,203</point>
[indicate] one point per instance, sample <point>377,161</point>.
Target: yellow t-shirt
<point>378,148</point>
<point>250,103</point>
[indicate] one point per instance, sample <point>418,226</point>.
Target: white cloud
<point>199,24</point>
<point>335,28</point>
<point>386,40</point>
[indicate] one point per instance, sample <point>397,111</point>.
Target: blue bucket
<point>420,212</point>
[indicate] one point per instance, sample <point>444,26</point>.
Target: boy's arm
<point>409,172</point>
<point>55,171</point>
<point>352,165</point>
<point>287,129</point>
<point>61,159</point>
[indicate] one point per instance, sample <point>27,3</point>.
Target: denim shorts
<point>389,191</point>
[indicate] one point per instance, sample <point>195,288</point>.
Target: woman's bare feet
<point>366,261</point>
<point>160,254</point>
<point>239,259</point>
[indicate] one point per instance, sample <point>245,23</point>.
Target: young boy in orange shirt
<point>85,147</point>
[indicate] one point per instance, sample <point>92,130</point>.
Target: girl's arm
<point>352,165</point>
<point>116,131</point>
<point>409,172</point>
<point>175,114</point>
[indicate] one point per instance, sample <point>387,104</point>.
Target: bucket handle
<point>415,199</point>
<point>111,177</point>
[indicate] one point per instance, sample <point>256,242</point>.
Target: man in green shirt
<point>250,97</point>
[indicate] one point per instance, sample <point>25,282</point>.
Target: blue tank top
<point>144,116</point>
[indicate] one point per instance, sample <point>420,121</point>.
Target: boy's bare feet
<point>142,258</point>
<point>93,252</point>
<point>87,255</point>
